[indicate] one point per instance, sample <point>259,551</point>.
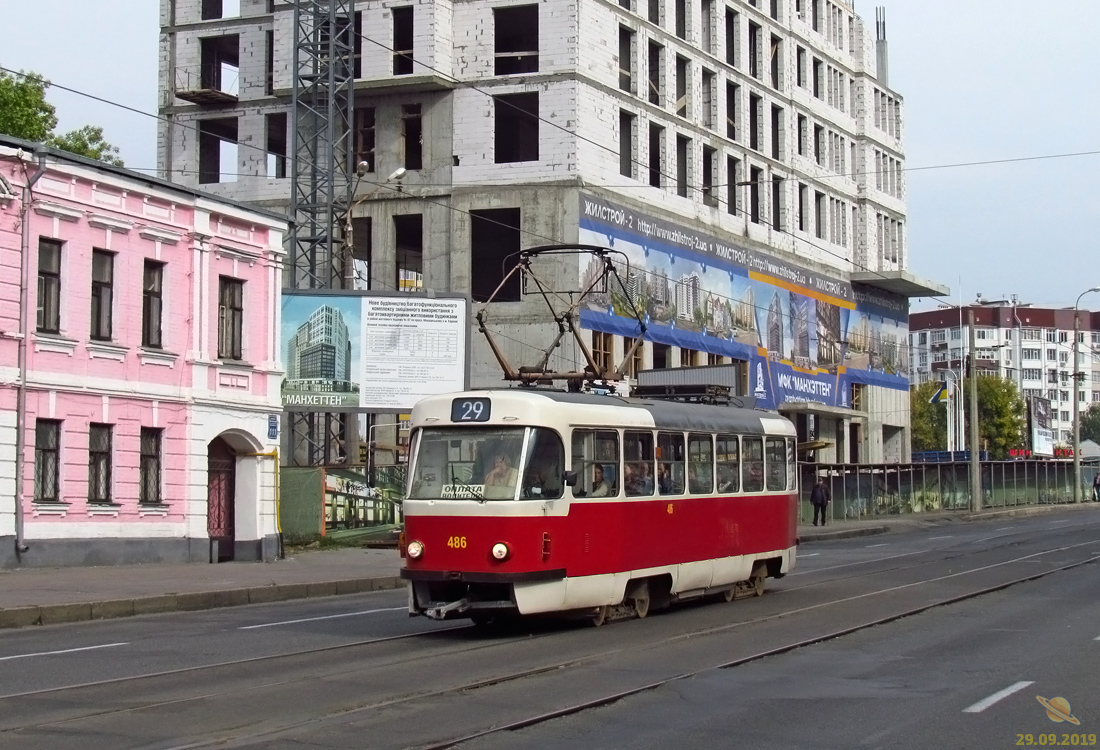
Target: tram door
<point>221,482</point>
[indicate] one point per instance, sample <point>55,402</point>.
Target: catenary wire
<point>839,256</point>
<point>382,185</point>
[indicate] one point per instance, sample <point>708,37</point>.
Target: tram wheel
<point>758,582</point>
<point>730,594</point>
<point>641,603</point>
<point>600,616</point>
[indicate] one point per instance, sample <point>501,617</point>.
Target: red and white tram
<point>529,501</point>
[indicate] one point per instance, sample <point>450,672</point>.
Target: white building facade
<point>1030,346</point>
<point>737,152</point>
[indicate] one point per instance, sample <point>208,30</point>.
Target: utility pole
<point>975,463</point>
<point>1077,375</point>
<point>1076,405</point>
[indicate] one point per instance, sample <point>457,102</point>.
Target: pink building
<point>139,364</point>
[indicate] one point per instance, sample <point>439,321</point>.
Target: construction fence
<point>867,491</point>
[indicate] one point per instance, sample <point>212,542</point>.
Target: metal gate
<point>221,480</point>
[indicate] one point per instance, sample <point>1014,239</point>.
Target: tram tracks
<point>411,697</point>
<point>898,568</point>
<point>777,651</point>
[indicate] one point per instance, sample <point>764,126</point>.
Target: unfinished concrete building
<point>753,144</point>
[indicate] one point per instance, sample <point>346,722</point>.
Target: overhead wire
<point>400,190</point>
<point>472,86</point>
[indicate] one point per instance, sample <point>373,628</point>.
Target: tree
<point>87,141</point>
<point>928,422</point>
<point>1090,423</point>
<point>25,113</point>
<point>1000,415</point>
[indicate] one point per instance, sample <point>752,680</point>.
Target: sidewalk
<point>47,596</point>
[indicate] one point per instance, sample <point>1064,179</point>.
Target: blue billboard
<point>806,335</point>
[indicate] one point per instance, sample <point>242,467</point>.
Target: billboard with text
<point>370,351</point>
<point>806,335</point>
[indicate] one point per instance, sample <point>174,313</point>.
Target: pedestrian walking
<point>1096,487</point>
<point>820,498</point>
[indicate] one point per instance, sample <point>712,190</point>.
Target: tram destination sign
<point>371,351</point>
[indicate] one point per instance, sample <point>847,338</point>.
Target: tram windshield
<point>462,463</point>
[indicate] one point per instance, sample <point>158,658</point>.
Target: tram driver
<point>500,481</point>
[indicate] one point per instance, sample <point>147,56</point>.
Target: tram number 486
<point>456,542</point>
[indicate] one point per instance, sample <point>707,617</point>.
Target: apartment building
<point>139,367</point>
<point>745,156</point>
<point>1030,346</point>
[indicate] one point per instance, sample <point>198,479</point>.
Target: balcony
<point>207,85</point>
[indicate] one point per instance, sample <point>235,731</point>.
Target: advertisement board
<point>371,351</point>
<point>806,336</point>
<point>1042,431</point>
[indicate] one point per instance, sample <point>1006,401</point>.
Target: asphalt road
<point>872,642</point>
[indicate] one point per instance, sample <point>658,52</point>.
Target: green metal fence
<point>863,491</point>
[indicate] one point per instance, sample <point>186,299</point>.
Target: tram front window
<point>485,464</point>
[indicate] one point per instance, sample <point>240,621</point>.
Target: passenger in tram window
<point>600,486</point>
<point>542,482</point>
<point>727,478</point>
<point>664,479</point>
<point>701,480</point>
<point>637,479</point>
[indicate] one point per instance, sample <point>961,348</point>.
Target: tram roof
<point>676,414</point>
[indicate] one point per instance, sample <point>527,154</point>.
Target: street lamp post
<point>955,420</point>
<point>349,240</point>
<point>975,456</point>
<point>1077,374</point>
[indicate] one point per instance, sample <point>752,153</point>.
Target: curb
<point>54,614</point>
<point>1026,510</point>
<point>828,536</point>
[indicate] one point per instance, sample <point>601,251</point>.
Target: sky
<point>982,80</point>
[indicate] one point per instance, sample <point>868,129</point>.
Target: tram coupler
<point>440,613</point>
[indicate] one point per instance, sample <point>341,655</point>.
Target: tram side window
<point>638,469</point>
<point>700,464</point>
<point>544,465</point>
<point>596,461</point>
<point>752,465</point>
<point>670,463</point>
<point>776,456</point>
<point>728,460</point>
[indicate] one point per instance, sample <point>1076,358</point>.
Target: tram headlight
<point>414,550</point>
<point>500,551</point>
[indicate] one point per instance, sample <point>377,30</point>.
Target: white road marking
<point>884,544</point>
<point>812,554</point>
<point>987,702</point>
<point>934,538</point>
<point>63,651</point>
<point>1003,528</point>
<point>325,617</point>
<point>1052,523</point>
<point>860,562</point>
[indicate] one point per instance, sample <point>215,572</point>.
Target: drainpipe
<point>21,398</point>
<point>274,454</point>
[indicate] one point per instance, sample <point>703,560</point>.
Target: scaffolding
<point>322,186</point>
